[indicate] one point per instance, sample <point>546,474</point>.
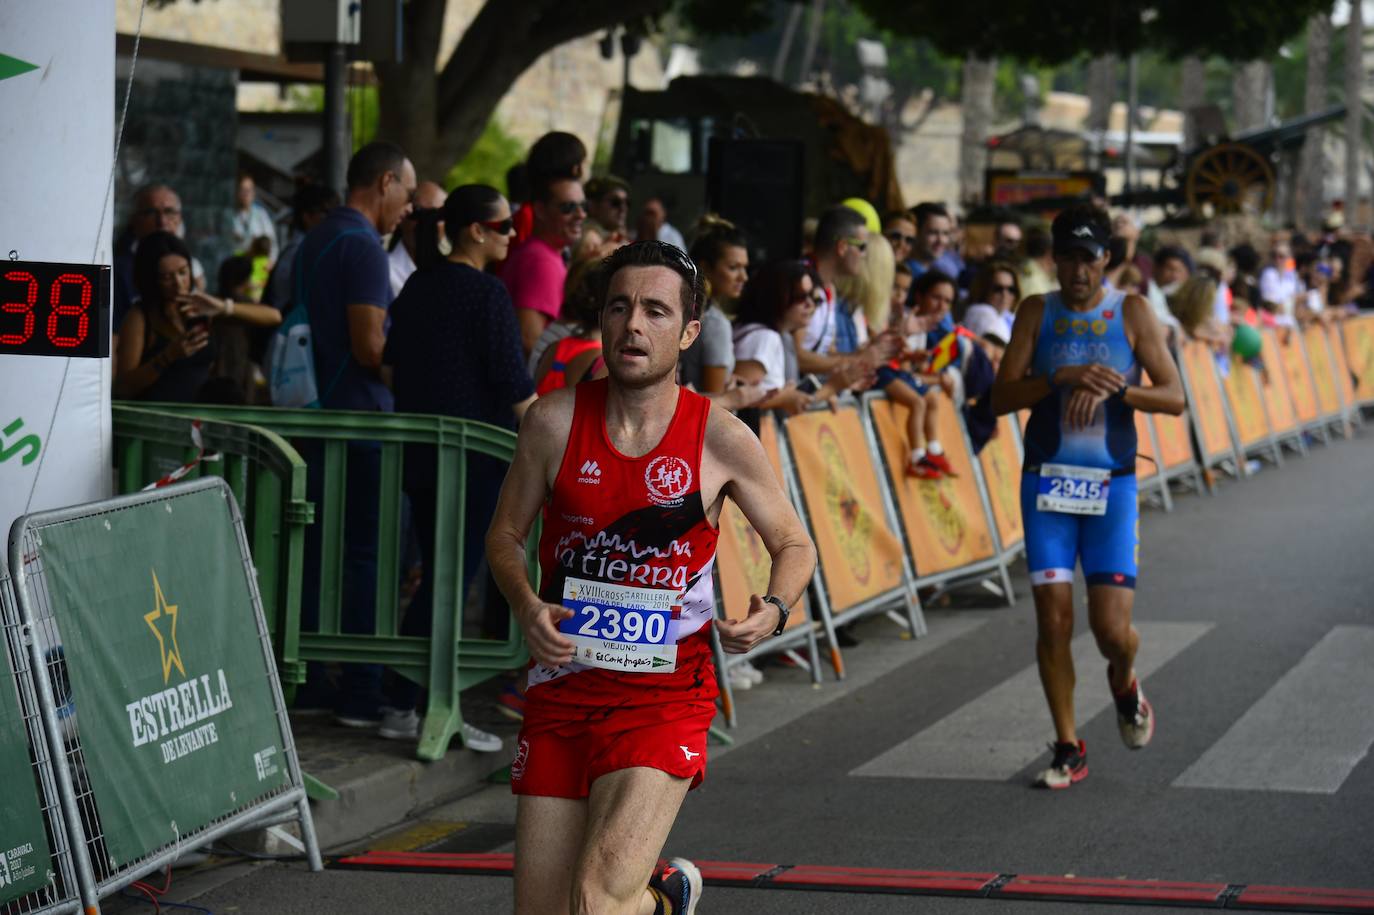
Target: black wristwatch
<point>1120,394</point>
<point>783,612</point>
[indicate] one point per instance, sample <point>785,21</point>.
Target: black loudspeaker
<point>759,185</point>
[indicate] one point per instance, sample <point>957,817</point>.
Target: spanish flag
<point>942,354</point>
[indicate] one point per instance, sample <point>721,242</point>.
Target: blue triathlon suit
<point>1108,545</point>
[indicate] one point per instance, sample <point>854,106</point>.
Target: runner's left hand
<point>739,636</point>
<point>1081,407</point>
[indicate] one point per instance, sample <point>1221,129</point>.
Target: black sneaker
<point>680,881</point>
<point>1135,717</point>
<point>1069,766</point>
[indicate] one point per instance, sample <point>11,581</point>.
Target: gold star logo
<point>162,608</point>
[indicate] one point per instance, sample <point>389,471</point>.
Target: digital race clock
<point>54,309</point>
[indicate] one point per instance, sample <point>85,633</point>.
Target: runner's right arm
<point>538,452</point>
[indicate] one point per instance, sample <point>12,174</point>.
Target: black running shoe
<point>1069,766</point>
<point>680,881</point>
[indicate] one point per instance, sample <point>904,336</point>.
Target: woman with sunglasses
<point>995,292</point>
<point>778,301</point>
<point>454,350</point>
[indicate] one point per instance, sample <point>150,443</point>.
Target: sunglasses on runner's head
<point>500,226</point>
<point>676,255</point>
<point>898,238</point>
<point>860,246</point>
<point>568,207</point>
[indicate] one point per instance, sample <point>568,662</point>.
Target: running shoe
<point>923,469</point>
<point>511,703</point>
<point>398,724</point>
<point>478,740</point>
<point>1135,717</point>
<point>942,464</point>
<point>680,881</point>
<point>753,673</point>
<point>1070,765</point>
<point>739,679</point>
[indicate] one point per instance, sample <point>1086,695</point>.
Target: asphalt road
<point>1257,612</point>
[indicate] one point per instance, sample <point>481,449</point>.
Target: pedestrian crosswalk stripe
<point>1006,728</point>
<point>1308,732</point>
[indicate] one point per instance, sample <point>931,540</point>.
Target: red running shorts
<point>564,758</point>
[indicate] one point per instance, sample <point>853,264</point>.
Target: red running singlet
<point>637,522</point>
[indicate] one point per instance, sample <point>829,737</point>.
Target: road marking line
<point>1308,732</point>
<point>995,736</point>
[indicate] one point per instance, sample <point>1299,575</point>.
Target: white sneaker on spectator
<point>478,739</point>
<point>739,679</point>
<point>399,725</point>
<point>752,672</point>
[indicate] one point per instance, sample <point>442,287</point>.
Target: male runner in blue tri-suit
<point>1075,358</point>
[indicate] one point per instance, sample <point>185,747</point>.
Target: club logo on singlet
<point>667,479</point>
<point>1099,328</point>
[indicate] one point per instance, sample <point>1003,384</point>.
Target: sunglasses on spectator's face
<point>996,289</point>
<point>164,212</point>
<point>500,226</point>
<point>899,238</point>
<point>569,207</point>
<point>618,202</point>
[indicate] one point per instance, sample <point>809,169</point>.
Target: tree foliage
<point>1057,32</point>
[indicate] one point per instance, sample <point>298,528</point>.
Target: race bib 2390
<point>618,627</point>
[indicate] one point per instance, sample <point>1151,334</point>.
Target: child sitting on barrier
<point>919,389</point>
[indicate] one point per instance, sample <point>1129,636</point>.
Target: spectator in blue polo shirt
<point>346,281</point>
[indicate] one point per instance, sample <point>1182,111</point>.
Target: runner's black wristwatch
<point>783,612</point>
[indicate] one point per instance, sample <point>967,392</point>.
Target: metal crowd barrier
<point>37,873</point>
<point>267,478</point>
<point>445,662</point>
<point>113,599</point>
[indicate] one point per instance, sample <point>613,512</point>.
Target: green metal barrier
<point>267,478</point>
<point>445,663</point>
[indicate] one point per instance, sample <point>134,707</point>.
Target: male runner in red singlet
<point>630,473</point>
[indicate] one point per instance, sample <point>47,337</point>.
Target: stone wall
<point>566,89</point>
<point>181,131</point>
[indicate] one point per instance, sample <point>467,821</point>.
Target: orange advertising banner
<point>860,558</point>
<point>1323,372</point>
<point>1001,460</point>
<point>1242,393</point>
<point>1341,365</point>
<point>1294,359</point>
<point>1146,461</point>
<point>944,519</point>
<point>1358,334</point>
<point>1175,445</point>
<point>742,561</point>
<point>1278,399</point>
<point>1206,404</point>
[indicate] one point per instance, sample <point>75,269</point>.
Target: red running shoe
<point>942,464</point>
<point>923,469</point>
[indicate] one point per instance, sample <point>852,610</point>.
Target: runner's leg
<point>548,839</point>
<point>629,815</point>
<point>1054,654</point>
<point>1109,614</point>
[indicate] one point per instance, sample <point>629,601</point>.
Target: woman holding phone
<point>166,350</point>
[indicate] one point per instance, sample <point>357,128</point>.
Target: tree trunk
<point>1249,87</point>
<point>1193,94</point>
<point>1102,88</point>
<point>1354,88</point>
<point>813,38</point>
<point>976,97</point>
<point>436,117</point>
<point>1311,170</point>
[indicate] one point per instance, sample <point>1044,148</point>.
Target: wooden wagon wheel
<point>1230,178</point>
